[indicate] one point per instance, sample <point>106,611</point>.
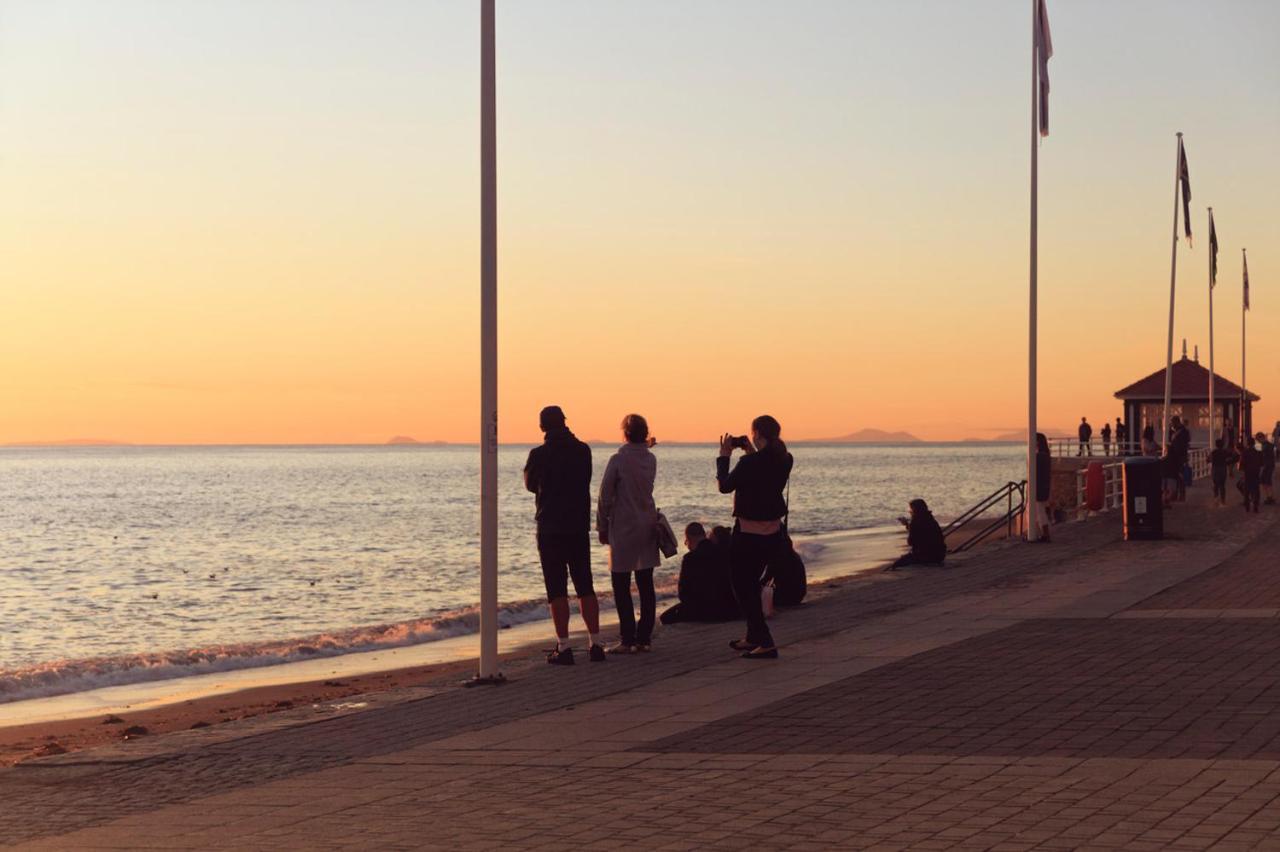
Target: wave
<point>61,677</point>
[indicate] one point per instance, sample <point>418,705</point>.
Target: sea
<point>121,565</point>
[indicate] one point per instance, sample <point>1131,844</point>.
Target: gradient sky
<point>257,221</point>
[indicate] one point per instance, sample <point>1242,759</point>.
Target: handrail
<point>1113,480</point>
<point>973,513</point>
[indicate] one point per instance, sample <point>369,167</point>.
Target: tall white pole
<point>1031,511</point>
<point>1245,432</point>
<point>1212,433</point>
<point>1173,278</point>
<point>488,348</point>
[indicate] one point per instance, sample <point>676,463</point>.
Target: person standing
<point>1122,438</point>
<point>627,521</point>
<point>558,473</point>
<point>757,483</point>
<point>1149,446</point>
<point>1106,439</point>
<point>1220,460</point>
<point>1250,470</point>
<point>1180,449</point>
<point>1085,432</point>
<point>1044,485</point>
<point>1268,471</point>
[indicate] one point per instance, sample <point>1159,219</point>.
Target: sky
<point>257,221</point>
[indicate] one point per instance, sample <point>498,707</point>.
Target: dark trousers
<point>628,632</point>
<point>1252,495</point>
<point>1220,489</point>
<point>748,556</point>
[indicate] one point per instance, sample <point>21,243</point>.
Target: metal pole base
<point>492,680</point>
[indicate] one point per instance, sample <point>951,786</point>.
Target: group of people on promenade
<point>558,472</point>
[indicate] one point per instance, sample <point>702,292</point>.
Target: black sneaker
<point>597,654</point>
<point>563,657</point>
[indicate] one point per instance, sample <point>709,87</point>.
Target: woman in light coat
<point>627,521</point>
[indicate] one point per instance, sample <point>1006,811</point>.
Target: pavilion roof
<point>1190,381</point>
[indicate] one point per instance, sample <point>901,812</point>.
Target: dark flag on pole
<point>1044,47</point>
<point>1184,178</point>
<point>1246,281</point>
<point>1213,252</point>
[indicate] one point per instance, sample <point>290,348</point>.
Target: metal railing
<point>1095,447</point>
<point>1113,480</point>
<point>975,514</point>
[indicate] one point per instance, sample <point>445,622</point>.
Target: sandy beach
<point>77,722</point>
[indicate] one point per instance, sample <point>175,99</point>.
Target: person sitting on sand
<point>705,590</point>
<point>924,536</point>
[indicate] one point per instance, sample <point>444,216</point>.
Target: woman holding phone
<point>757,483</point>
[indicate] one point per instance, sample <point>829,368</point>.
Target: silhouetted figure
<point>1106,439</point>
<point>1149,446</point>
<point>1180,449</point>
<point>705,589</point>
<point>1250,475</point>
<point>757,483</point>
<point>1122,438</point>
<point>1220,461</point>
<point>1085,433</point>
<point>1268,471</point>
<point>558,472</point>
<point>1044,486</point>
<point>924,537</point>
<point>627,521</point>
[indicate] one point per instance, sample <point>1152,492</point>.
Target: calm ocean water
<point>136,563</point>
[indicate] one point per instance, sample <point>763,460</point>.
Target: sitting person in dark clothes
<point>720,537</point>
<point>705,590</point>
<point>924,536</point>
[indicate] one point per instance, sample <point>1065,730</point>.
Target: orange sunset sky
<point>259,221</point>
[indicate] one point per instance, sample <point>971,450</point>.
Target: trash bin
<point>1143,499</point>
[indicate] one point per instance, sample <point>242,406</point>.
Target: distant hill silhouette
<point>1048,433</point>
<point>71,442</point>
<point>874,436</point>
<point>405,439</point>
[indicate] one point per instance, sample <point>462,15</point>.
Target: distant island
<point>405,439</point>
<point>873,436</point>
<point>71,442</point>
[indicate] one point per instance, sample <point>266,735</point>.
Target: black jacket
<point>1044,476</point>
<point>756,481</point>
<point>926,539</point>
<point>1180,445</point>
<point>706,591</point>
<point>559,473</point>
<point>1085,431</point>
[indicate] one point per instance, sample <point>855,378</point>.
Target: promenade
<point>1086,693</point>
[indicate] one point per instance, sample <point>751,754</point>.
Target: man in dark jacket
<point>1085,432</point>
<point>559,473</point>
<point>706,589</point>
<point>1250,474</point>
<point>1180,449</point>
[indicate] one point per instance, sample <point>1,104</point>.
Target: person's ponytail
<point>769,429</point>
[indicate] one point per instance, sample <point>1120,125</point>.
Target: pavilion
<point>1144,401</point>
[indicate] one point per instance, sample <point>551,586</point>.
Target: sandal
<point>761,654</point>
<point>743,645</point>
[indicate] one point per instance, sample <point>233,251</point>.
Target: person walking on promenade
<point>1220,461</point>
<point>627,521</point>
<point>1268,471</point>
<point>1085,432</point>
<point>1122,438</point>
<point>757,483</point>
<point>924,537</point>
<point>1250,471</point>
<point>1044,485</point>
<point>1180,449</point>
<point>1106,439</point>
<point>558,473</point>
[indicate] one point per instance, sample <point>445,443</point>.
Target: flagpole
<point>488,669</point>
<point>1245,431</point>
<point>1173,278</point>
<point>1033,522</point>
<point>1212,380</point>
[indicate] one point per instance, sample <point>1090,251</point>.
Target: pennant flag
<point>1184,178</point>
<point>1044,47</point>
<point>1246,280</point>
<point>1213,252</point>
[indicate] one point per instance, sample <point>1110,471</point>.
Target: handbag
<point>666,536</point>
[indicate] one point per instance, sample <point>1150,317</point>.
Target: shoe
<point>643,647</point>
<point>562,657</point>
<point>761,654</point>
<point>742,645</point>
<point>621,648</point>
<point>597,654</point>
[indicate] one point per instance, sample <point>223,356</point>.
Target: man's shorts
<point>1268,473</point>
<point>565,556</point>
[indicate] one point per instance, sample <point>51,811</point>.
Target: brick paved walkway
<point>1010,702</point>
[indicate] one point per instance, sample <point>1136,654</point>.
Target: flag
<point>1184,178</point>
<point>1246,280</point>
<point>1213,251</point>
<point>1044,47</point>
